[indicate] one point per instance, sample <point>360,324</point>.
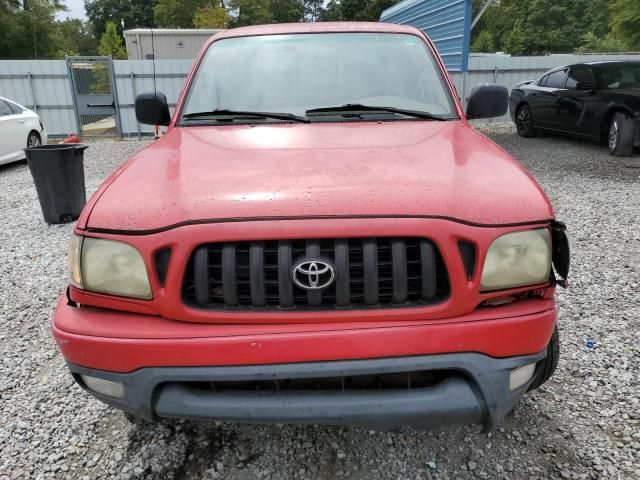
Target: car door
<point>546,111</point>
<point>11,129</point>
<point>578,103</point>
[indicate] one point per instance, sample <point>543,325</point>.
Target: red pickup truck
<point>319,237</point>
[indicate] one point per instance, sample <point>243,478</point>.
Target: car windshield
<point>292,74</point>
<point>614,77</point>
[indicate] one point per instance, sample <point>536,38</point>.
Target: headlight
<point>108,266</point>
<point>517,259</point>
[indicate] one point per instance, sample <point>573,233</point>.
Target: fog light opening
<point>103,387</point>
<point>521,375</point>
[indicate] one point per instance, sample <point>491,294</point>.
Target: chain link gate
<point>95,99</point>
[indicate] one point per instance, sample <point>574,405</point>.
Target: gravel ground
<point>584,423</point>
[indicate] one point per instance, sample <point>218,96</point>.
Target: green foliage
<point>356,10</point>
<point>177,13</point>
<point>212,16</point>
<point>251,12</point>
<point>625,22</point>
<point>33,33</point>
<point>286,11</point>
<point>111,43</point>
<point>591,43</point>
<point>134,14</point>
<point>75,38</point>
<point>536,27</point>
<point>312,10</point>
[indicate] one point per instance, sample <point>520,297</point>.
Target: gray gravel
<point>583,424</point>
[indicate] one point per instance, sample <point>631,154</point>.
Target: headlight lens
<point>517,259</point>
<point>108,266</point>
<point>73,258</point>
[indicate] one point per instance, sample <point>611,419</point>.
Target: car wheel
<point>33,140</point>
<point>524,122</point>
<point>621,135</point>
<point>549,364</point>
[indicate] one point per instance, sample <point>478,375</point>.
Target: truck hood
<point>404,168</point>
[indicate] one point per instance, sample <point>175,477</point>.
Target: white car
<point>19,128</point>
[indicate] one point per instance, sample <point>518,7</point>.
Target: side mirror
<point>586,86</point>
<point>488,101</point>
<point>152,109</point>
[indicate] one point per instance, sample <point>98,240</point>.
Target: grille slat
<point>228,274</point>
<point>256,275</point>
<point>399,277</point>
<point>368,273</point>
<point>285,283</point>
<point>370,261</point>
<point>427,255</point>
<point>341,259</point>
<point>201,275</point>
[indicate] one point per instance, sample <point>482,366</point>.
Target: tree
<point>134,14</point>
<point>625,22</point>
<point>31,33</point>
<point>251,12</point>
<point>75,38</point>
<point>111,43</point>
<point>213,16</point>
<point>177,13</point>
<point>592,43</point>
<point>286,11</point>
<point>535,27</point>
<point>356,10</point>
<point>312,10</point>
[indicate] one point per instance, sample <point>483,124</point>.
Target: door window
<point>4,109</point>
<point>556,79</point>
<point>579,75</point>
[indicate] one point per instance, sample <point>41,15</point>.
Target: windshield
<point>300,72</point>
<point>614,77</point>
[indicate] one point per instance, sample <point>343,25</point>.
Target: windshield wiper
<point>353,108</point>
<point>242,113</point>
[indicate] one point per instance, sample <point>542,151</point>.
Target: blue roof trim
<point>447,22</point>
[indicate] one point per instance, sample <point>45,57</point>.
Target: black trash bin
<point>58,172</point>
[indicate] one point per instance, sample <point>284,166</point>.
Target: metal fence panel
<point>136,76</point>
<point>41,85</point>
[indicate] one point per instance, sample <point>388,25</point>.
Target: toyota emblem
<point>313,274</point>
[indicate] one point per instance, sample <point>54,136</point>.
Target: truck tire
<point>621,135</point>
<point>550,363</point>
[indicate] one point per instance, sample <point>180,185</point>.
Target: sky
<point>76,10</point>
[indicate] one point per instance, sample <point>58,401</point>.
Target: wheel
<point>524,122</point>
<point>33,140</point>
<point>621,135</point>
<point>550,363</point>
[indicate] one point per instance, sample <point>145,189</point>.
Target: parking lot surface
<point>584,423</point>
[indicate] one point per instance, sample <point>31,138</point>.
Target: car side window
<point>4,109</point>
<point>15,107</point>
<point>579,75</point>
<point>556,79</point>
<point>543,81</point>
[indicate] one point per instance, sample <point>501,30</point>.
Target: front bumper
<point>478,392</point>
<point>157,360</point>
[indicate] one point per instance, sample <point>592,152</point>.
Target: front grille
<point>410,380</point>
<point>369,273</point>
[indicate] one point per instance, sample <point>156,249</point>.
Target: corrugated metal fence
<point>43,85</point>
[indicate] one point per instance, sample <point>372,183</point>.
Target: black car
<point>595,100</point>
